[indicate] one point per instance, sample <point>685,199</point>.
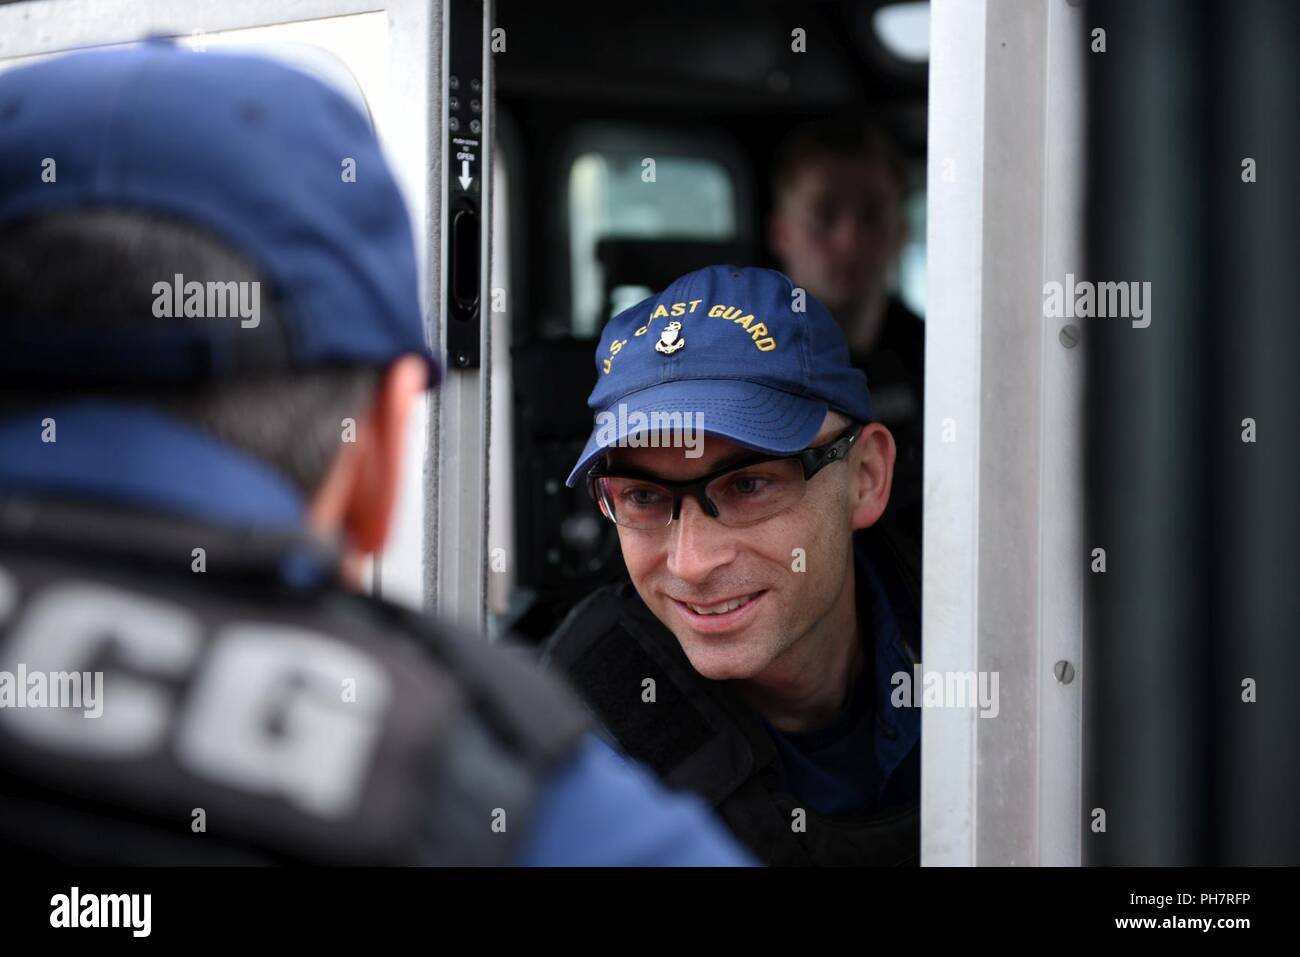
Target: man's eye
<point>643,497</point>
<point>824,218</point>
<point>744,485</point>
<point>871,216</point>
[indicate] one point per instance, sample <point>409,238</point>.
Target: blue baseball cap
<point>756,359</point>
<point>253,151</point>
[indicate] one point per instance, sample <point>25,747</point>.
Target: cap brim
<point>752,415</point>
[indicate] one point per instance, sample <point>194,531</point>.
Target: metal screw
<point>1069,336</point>
<point>1064,671</point>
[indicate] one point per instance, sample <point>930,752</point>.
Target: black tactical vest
<point>250,709</point>
<point>701,736</point>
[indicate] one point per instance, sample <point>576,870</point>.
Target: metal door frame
<point>1004,557</point>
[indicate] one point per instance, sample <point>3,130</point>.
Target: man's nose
<point>699,544</point>
<point>847,233</point>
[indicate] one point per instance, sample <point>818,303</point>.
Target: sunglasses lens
<point>634,503</point>
<point>756,492</point>
<point>743,496</point>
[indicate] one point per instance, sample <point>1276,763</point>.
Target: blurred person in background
<point>837,228</point>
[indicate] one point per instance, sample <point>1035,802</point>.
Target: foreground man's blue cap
<point>259,154</point>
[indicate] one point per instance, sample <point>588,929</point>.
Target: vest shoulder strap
<point>631,671</point>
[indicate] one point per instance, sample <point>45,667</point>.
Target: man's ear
<point>377,456</point>
<point>872,462</point>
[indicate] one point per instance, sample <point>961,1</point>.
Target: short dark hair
<point>98,266</point>
<point>836,137</point>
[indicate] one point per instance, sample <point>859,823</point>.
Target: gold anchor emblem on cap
<point>670,340</point>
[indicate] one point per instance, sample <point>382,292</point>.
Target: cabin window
<point>615,192</point>
<point>911,261</point>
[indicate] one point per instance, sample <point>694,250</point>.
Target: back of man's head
<point>214,235</point>
<point>96,268</point>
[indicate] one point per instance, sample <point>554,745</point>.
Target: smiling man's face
<point>691,573</point>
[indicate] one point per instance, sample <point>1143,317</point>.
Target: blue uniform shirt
<point>599,809</point>
<point>867,759</point>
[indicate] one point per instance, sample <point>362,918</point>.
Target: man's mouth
<point>721,615</point>
<point>718,608</point>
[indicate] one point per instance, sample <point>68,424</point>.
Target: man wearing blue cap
<point>211,339</point>
<point>751,657</point>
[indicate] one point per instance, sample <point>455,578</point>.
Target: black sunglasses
<point>742,493</point>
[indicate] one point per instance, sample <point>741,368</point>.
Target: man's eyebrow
<point>736,458</point>
<point>739,457</point>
